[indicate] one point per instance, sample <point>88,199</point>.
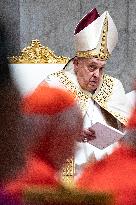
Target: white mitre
<point>95,36</point>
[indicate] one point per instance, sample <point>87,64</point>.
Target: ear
<point>75,62</point>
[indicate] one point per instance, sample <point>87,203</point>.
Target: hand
<point>88,135</point>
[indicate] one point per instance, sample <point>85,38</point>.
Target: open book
<point>105,135</point>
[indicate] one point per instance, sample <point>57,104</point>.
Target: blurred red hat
<point>54,123</point>
<point>47,100</point>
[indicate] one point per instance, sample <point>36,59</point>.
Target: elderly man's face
<point>89,72</point>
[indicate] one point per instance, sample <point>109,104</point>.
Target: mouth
<point>93,82</point>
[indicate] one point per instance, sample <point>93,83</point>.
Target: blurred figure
<point>11,147</point>
<point>115,174</point>
<point>56,122</point>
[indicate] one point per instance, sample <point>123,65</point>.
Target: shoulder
<point>58,79</point>
<point>53,80</point>
<point>109,78</point>
<point>114,83</point>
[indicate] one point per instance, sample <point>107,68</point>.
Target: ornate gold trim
<point>101,97</point>
<point>103,54</point>
<point>104,94</point>
<point>105,91</point>
<point>68,173</point>
<point>81,97</point>
<point>36,53</point>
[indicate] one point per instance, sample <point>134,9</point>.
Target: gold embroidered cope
<point>101,97</point>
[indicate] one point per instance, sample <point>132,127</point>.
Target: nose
<point>96,73</point>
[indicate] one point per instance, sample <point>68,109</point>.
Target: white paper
<point>105,135</point>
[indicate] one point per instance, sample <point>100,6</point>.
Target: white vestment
<point>110,96</point>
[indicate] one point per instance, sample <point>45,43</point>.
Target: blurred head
<point>11,147</point>
<point>62,122</point>
<point>89,72</point>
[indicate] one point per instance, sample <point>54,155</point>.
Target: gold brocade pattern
<point>101,97</point>
<point>104,94</point>
<point>103,53</point>
<point>36,53</point>
<point>105,91</point>
<point>68,172</point>
<point>79,94</point>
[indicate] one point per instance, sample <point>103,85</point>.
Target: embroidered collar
<point>101,96</point>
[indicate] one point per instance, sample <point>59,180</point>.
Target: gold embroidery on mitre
<point>36,53</point>
<point>103,53</point>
